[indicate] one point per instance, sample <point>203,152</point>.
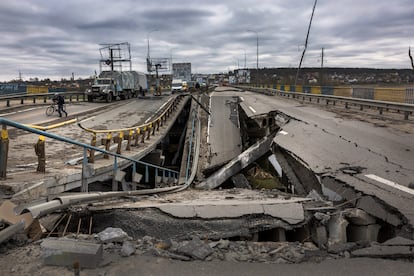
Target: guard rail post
<point>158,124</point>
<point>91,158</point>
<point>136,136</point>
<point>107,142</point>
<point>153,128</point>
<point>143,135</point>
<point>4,151</point>
<point>8,103</point>
<point>41,154</point>
<point>128,137</point>
<point>149,131</point>
<point>118,139</point>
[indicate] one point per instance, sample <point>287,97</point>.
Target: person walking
<point>60,101</point>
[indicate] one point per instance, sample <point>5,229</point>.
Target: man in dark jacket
<point>60,100</point>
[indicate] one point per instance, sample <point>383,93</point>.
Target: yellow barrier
<point>31,89</point>
<point>343,91</point>
<point>315,90</point>
<point>287,87</point>
<point>390,94</point>
<point>393,94</point>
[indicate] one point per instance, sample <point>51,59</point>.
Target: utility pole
<point>321,77</point>
<point>306,42</point>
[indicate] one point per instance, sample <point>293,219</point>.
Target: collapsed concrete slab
<point>237,164</point>
<point>210,214</point>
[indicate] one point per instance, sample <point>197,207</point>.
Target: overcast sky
<point>53,38</point>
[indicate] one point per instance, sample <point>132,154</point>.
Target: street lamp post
<point>148,45</point>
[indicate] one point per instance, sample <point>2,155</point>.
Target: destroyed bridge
<point>228,165</point>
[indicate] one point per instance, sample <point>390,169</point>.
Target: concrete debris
<point>127,249</point>
<point>240,181</point>
<point>342,247</point>
<point>112,235</point>
<point>322,217</point>
<point>398,241</point>
<point>337,229</point>
<point>222,244</point>
<point>238,163</point>
<point>195,249</point>
<point>315,195</point>
<point>66,252</point>
<point>320,236</point>
<point>359,217</point>
<point>371,206</point>
<point>392,252</point>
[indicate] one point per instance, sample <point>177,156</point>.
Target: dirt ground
<point>27,261</point>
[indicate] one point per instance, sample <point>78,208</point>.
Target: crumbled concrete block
<point>322,217</point>
<point>320,236</point>
<point>363,232</point>
<point>195,249</point>
<point>119,175</point>
<point>127,249</point>
<point>112,235</point>
<point>66,252</point>
<point>359,217</point>
<point>337,229</point>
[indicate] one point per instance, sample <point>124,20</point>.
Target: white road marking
<point>242,99</point>
<point>252,109</point>
<point>283,132</point>
<point>390,183</point>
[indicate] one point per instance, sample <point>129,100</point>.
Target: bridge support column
<point>4,150</point>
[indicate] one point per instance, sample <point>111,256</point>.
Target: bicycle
<point>53,108</point>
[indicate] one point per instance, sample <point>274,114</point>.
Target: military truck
<point>111,85</point>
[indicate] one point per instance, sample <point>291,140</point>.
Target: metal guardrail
<point>41,96</point>
<point>141,132</point>
<point>4,142</point>
<point>406,109</point>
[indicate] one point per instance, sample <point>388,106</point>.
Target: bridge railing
<point>4,148</point>
<point>133,135</point>
<point>42,97</point>
<point>405,108</point>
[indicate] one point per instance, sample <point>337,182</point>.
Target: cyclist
<point>60,101</point>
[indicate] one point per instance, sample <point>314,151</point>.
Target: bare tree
<point>411,57</point>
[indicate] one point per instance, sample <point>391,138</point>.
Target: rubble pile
<point>115,242</point>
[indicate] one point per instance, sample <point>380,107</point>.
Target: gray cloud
<point>44,38</point>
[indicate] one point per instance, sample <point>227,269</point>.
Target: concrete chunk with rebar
<point>67,252</point>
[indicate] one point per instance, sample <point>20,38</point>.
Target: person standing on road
<point>60,101</point>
